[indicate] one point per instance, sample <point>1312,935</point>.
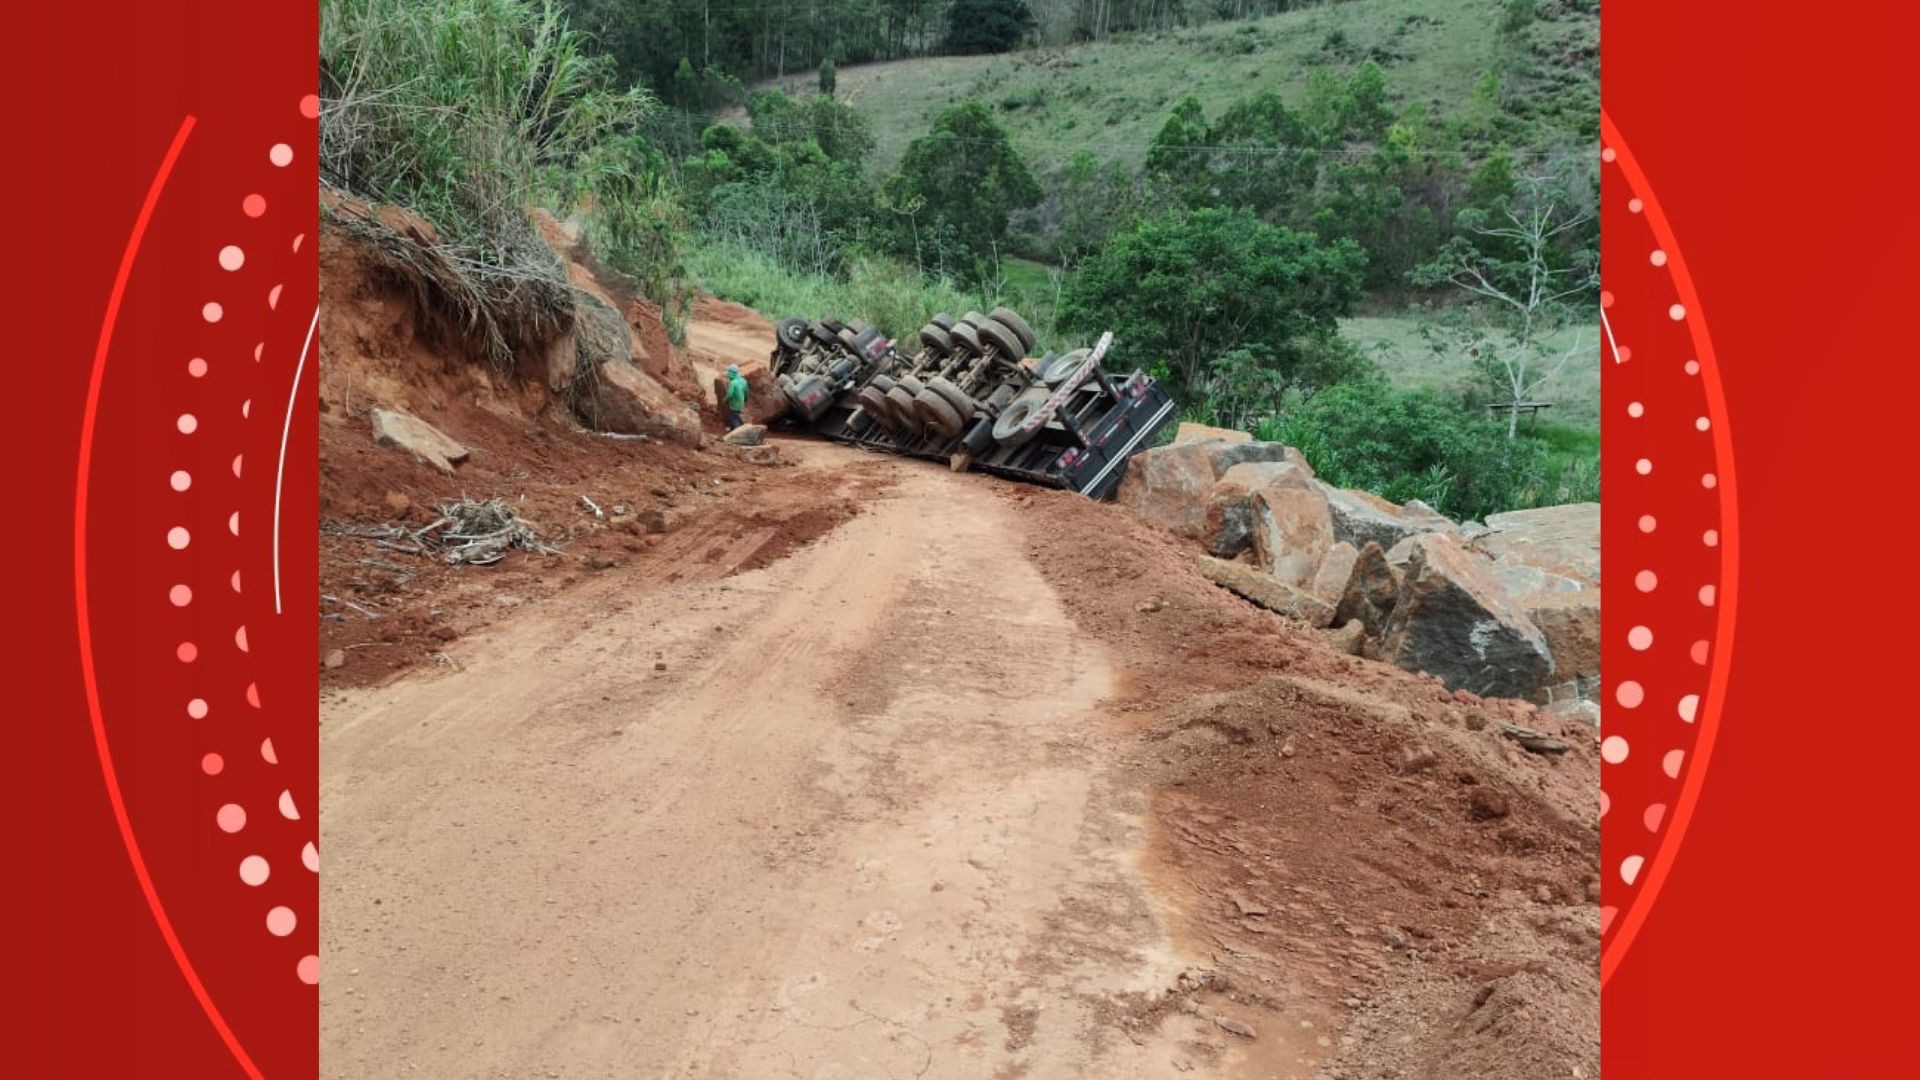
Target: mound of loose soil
<point>667,512</point>
<point>1352,843</point>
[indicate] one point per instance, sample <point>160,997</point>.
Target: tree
<point>987,26</point>
<point>1184,289</point>
<point>1514,257</point>
<point>1259,156</point>
<point>1091,202</point>
<point>967,179</point>
<point>829,77</point>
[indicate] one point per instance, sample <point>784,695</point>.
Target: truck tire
<point>964,334</point>
<point>874,403</point>
<point>1001,338</point>
<point>1006,427</point>
<point>910,384</point>
<point>824,334</point>
<point>1012,321</point>
<point>954,396</point>
<point>903,412</point>
<point>938,414</point>
<point>973,318</point>
<point>1057,370</point>
<point>793,332</point>
<point>936,339</point>
<point>943,320</point>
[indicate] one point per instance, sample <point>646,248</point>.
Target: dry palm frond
<point>480,533</point>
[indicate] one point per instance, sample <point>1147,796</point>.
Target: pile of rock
<point>1510,608</point>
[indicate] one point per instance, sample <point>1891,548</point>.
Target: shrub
<point>1184,289</point>
<point>1415,445</point>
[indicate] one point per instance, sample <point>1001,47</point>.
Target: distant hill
<point>1108,98</point>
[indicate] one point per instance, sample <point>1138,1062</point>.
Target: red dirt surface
<point>1360,851</point>
<point>391,611</point>
<point>1357,846</point>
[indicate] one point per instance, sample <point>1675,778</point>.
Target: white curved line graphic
<point>280,472</point>
<point>1612,346</point>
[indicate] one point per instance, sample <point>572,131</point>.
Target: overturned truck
<point>971,396</point>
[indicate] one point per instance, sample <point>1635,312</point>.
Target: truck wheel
<point>1001,338</point>
<point>1061,367</point>
<point>964,334</point>
<point>943,320</point>
<point>938,414</point>
<point>824,334</point>
<point>954,396</point>
<point>1006,428</point>
<point>910,384</point>
<point>936,339</point>
<point>874,403</point>
<point>904,415</point>
<point>1013,322</point>
<point>793,332</point>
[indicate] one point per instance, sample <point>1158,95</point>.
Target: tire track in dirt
<point>850,815</point>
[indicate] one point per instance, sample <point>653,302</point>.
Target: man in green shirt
<point>736,397</point>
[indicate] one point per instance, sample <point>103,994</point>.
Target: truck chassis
<point>970,396</point>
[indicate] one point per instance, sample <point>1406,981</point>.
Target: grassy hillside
<point>1109,98</point>
<point>1407,359</point>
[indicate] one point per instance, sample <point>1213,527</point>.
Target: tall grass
<point>467,112</point>
<point>882,291</point>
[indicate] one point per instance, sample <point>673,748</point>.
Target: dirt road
<point>855,814</point>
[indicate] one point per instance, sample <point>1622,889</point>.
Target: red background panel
<point>1776,139</point>
<point>99,97</point>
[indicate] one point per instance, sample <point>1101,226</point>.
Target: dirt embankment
<point>1343,835</point>
<point>384,610</point>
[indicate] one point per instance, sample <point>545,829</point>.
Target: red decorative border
<point>168,909</point>
<point>1777,940</point>
<point>1668,381</point>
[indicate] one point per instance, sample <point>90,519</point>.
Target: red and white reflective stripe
<point>1060,396</point>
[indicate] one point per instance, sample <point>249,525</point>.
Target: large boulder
<point>1191,432</point>
<point>1564,540</point>
<point>1333,575</point>
<point>1292,529</point>
<point>765,402</point>
<point>629,401</point>
<point>1570,621</point>
<point>1265,590</point>
<point>1228,527</point>
<point>1361,516</point>
<point>1168,485</point>
<point>1373,588</point>
<point>405,431</point>
<point>1453,621</point>
<point>1518,579</point>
